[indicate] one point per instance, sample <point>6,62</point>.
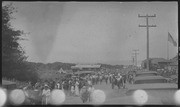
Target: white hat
<point>46,85</point>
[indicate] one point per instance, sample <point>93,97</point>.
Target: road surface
<point>111,95</point>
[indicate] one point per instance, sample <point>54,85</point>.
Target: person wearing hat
<point>46,94</point>
<point>89,82</point>
<point>72,90</point>
<point>84,94</point>
<point>77,88</point>
<point>90,90</point>
<point>63,84</point>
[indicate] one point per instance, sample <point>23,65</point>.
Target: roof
<point>156,60</point>
<point>86,66</point>
<point>153,86</point>
<point>61,71</point>
<point>147,72</point>
<point>6,82</point>
<point>84,72</point>
<point>175,58</point>
<point>165,61</point>
<point>148,78</point>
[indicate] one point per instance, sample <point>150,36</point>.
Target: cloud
<point>41,19</point>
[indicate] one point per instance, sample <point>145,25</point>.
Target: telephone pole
<point>147,26</point>
<point>133,60</point>
<point>135,56</point>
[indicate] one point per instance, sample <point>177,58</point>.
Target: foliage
<point>13,58</point>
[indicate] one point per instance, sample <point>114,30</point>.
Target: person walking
<point>72,90</point>
<point>100,77</point>
<point>62,85</point>
<point>77,88</point>
<point>84,94</point>
<point>58,85</point>
<point>106,78</point>
<point>69,86</point>
<point>89,82</point>
<point>90,90</point>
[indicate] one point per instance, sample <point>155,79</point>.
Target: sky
<point>95,32</point>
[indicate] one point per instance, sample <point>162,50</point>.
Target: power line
<point>147,26</point>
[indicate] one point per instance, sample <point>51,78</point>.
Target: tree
<point>13,59</point>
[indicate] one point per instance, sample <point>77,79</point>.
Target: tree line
<point>14,64</point>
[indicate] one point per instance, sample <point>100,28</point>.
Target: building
<point>164,64</point>
<point>155,63</point>
<point>174,63</point>
<point>161,63</point>
<point>85,68</point>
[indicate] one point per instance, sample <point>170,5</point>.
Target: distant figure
<point>58,85</point>
<point>63,83</point>
<point>100,77</point>
<point>72,90</point>
<point>106,78</point>
<point>77,88</point>
<point>89,82</point>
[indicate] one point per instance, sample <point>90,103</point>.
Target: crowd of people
<point>169,73</point>
<point>81,86</point>
<point>166,72</point>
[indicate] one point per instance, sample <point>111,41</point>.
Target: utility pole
<point>135,55</point>
<point>147,26</point>
<point>133,60</point>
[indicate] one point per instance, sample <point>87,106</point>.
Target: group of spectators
<point>81,86</point>
<point>167,72</point>
<point>77,86</point>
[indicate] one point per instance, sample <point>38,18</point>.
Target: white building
<point>86,68</point>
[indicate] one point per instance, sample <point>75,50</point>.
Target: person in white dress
<point>46,95</point>
<point>77,88</point>
<point>89,82</point>
<point>84,94</point>
<point>72,90</point>
<point>90,90</point>
<point>58,85</point>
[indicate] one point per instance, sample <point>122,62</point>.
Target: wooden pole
<point>147,26</point>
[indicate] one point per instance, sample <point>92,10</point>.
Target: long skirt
<point>45,100</point>
<point>76,90</point>
<point>90,96</point>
